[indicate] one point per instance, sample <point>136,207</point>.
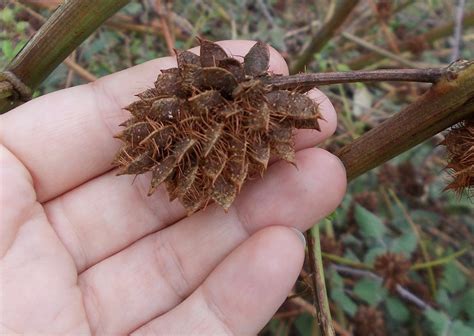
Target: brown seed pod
<point>393,268</point>
<point>210,124</point>
<point>369,321</point>
<point>459,142</point>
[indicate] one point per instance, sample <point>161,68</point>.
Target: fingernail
<point>300,236</point>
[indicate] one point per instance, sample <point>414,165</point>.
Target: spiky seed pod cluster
<point>459,142</point>
<point>393,268</point>
<point>210,124</point>
<point>369,321</point>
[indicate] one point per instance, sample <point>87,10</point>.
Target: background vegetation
<point>399,208</point>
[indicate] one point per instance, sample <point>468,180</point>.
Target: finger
<point>17,198</point>
<point>242,293</point>
<point>32,262</point>
<point>65,138</point>
<point>306,138</point>
<point>157,272</point>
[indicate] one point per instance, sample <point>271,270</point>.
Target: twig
<point>448,102</point>
<point>416,231</point>
<point>70,72</point>
<point>343,261</point>
<point>388,34</point>
<point>310,309</point>
<point>164,26</point>
<point>440,261</point>
<point>319,286</point>
<point>67,27</point>
<point>325,33</point>
<point>402,291</point>
<point>428,37</point>
<point>458,30</point>
<point>378,50</point>
<point>311,80</point>
<point>79,70</point>
<point>266,13</point>
<point>409,296</point>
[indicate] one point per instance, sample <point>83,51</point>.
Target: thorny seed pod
<point>369,321</point>
<point>210,124</point>
<point>459,142</point>
<point>393,268</point>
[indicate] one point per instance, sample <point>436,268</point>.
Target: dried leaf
<point>218,79</point>
<point>211,53</point>
<point>161,171</point>
<point>186,57</point>
<point>139,165</point>
<point>212,135</point>
<point>257,60</point>
<point>166,109</point>
<point>234,67</point>
<point>135,133</point>
<point>224,192</point>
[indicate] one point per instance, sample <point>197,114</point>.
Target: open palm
<point>85,252</point>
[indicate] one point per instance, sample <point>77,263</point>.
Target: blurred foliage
<point>399,207</point>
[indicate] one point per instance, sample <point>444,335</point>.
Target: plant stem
<point>440,261</point>
<point>448,102</point>
<point>379,50</point>
<point>6,89</point>
<point>318,283</point>
<point>401,291</point>
<point>419,238</point>
<point>325,33</point>
<point>344,261</point>
<point>310,80</point>
<point>68,26</point>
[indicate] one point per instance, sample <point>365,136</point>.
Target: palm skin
<point>85,252</point>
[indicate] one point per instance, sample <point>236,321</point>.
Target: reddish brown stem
<point>311,80</point>
<point>448,102</point>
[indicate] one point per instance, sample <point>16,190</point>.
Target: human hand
<point>84,251</point>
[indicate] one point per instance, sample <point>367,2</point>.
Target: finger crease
<point>91,305</point>
<point>78,253</point>
<point>214,308</point>
<point>171,267</point>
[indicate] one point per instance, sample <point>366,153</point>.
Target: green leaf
<point>370,225</point>
<point>439,322</point>
<point>405,244</point>
<point>7,49</point>
<point>342,67</point>
<point>344,301</point>
<point>18,48</point>
<point>370,291</point>
<point>397,310</point>
<point>442,298</point>
<point>372,254</point>
<point>453,279</point>
<point>460,329</point>
<point>7,15</point>
<point>468,303</point>
<point>304,324</point>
